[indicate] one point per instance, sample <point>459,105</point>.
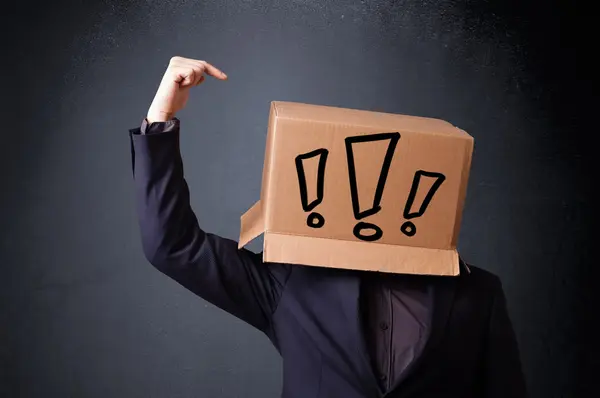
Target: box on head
<point>354,189</point>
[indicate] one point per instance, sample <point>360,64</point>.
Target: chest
<point>321,328</point>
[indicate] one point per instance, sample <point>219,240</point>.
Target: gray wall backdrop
<point>82,314</point>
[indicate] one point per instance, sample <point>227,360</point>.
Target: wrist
<point>159,116</point>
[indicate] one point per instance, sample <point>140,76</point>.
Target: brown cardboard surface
<point>363,190</point>
<point>359,255</point>
<point>252,224</point>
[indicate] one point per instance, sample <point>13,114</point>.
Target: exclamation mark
<point>363,230</point>
<point>305,162</point>
<point>436,179</point>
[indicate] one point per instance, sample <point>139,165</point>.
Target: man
<point>341,333</point>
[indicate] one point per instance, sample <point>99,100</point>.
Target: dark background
<point>82,313</point>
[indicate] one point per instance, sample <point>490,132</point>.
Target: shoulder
<point>481,280</point>
<point>482,275</point>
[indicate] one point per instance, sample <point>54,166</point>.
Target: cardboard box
<point>360,190</point>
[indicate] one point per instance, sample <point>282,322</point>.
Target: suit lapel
<point>443,298</point>
<point>350,301</point>
<point>444,291</point>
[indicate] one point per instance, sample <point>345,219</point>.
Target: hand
<point>182,74</point>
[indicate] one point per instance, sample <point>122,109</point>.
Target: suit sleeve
<point>504,376</point>
<point>210,266</point>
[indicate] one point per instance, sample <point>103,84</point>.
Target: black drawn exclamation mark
<point>408,228</point>
<point>314,220</point>
<point>362,229</point>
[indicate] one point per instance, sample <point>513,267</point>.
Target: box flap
<point>252,224</point>
<point>363,256</point>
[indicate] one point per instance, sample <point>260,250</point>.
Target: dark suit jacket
<point>311,314</point>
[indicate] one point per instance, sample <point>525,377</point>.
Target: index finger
<point>213,71</point>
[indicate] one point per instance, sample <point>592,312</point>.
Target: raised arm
<point>210,266</point>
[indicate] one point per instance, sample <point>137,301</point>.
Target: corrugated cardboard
<point>360,190</point>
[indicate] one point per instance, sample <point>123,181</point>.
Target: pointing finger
<point>213,71</point>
